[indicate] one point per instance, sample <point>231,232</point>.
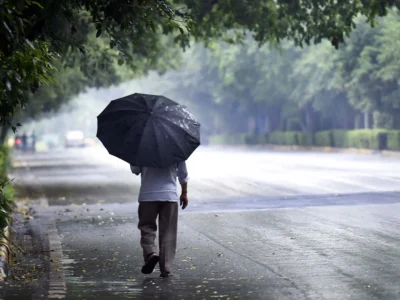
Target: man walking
<point>158,198</point>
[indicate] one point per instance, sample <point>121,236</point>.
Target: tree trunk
<point>309,119</point>
<point>267,123</point>
<point>251,125</point>
<point>357,121</point>
<point>366,120</point>
<point>3,134</point>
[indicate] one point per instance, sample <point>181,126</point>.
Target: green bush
<point>238,139</point>
<point>227,139</point>
<point>377,139</point>
<point>256,139</point>
<point>6,203</point>
<point>277,138</point>
<point>308,139</point>
<point>4,161</point>
<point>6,190</point>
<point>367,138</point>
<point>340,138</point>
<point>324,138</point>
<point>290,138</point>
<point>393,140</point>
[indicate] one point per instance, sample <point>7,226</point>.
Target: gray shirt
<point>159,184</point>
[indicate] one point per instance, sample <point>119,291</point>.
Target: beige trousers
<point>167,213</point>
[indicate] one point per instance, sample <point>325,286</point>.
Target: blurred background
<point>246,94</point>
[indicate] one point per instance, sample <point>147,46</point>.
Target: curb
<point>4,254</point>
<point>314,149</point>
<point>57,286</point>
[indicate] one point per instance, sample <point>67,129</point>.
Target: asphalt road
<point>260,225</point>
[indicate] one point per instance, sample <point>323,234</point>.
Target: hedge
<point>340,138</point>
<point>228,139</point>
<point>324,139</point>
<point>393,140</point>
<point>290,138</point>
<point>365,139</point>
<point>378,139</point>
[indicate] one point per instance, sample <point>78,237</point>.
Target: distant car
<point>74,139</point>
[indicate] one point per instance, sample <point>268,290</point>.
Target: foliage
<point>24,70</point>
<point>367,139</point>
<point>289,138</point>
<point>4,162</point>
<point>312,89</point>
<point>90,38</point>
<point>393,140</point>
<point>304,22</point>
<point>109,33</point>
<point>6,190</point>
<point>340,138</point>
<point>6,204</point>
<point>324,138</point>
<point>227,139</point>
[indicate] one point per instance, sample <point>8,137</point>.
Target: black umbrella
<point>148,130</point>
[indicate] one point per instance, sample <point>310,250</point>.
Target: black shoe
<point>165,275</point>
<point>150,264</point>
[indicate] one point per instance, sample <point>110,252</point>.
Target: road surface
<point>260,225</point>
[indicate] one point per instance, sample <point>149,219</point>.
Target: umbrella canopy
<point>148,130</point>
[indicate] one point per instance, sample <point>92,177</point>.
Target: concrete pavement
<point>260,225</point>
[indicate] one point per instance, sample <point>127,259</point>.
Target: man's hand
<point>184,200</point>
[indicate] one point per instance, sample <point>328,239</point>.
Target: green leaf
<point>37,4</point>
<point>153,28</point>
<point>98,32</point>
<point>120,62</point>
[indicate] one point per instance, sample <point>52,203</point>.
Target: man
<point>158,198</point>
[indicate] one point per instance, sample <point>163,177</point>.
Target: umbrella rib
<point>141,137</point>
<point>157,140</point>
<point>128,135</point>
<point>174,140</point>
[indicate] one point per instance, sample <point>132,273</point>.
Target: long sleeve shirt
<point>160,184</point>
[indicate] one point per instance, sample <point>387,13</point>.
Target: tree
<point>126,31</point>
<point>308,89</point>
<point>365,71</point>
<point>318,89</point>
<point>134,28</point>
<point>304,22</point>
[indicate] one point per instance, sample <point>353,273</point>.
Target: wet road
<point>260,225</point>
